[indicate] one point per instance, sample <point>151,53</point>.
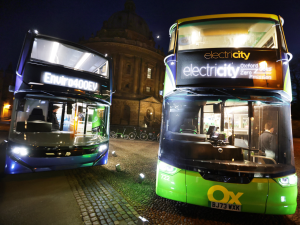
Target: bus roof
<point>230,15</point>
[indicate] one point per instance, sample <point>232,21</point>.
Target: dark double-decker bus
<point>226,138</point>
<point>61,108</point>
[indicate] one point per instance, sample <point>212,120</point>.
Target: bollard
<point>118,168</point>
<point>141,178</point>
<point>142,221</point>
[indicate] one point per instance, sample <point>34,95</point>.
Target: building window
<point>148,89</point>
<point>149,73</point>
<point>128,69</point>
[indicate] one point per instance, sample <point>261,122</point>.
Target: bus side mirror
<point>69,108</point>
<point>21,105</point>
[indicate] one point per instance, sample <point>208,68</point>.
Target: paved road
<point>62,197</point>
<point>82,197</point>
<point>40,198</point>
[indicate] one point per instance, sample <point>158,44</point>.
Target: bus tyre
<point>115,136</point>
<point>126,136</point>
<point>131,136</point>
<point>144,137</point>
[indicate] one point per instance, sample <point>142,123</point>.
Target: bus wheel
<point>126,136</point>
<point>144,137</point>
<point>132,136</point>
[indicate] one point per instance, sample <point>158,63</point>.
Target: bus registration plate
<point>224,206</point>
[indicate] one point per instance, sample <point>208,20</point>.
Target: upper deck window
<point>228,33</point>
<point>68,56</point>
<point>172,39</point>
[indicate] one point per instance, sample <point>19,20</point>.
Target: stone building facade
<point>7,77</point>
<point>138,68</point>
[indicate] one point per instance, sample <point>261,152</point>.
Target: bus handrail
<point>286,60</point>
<point>167,58</point>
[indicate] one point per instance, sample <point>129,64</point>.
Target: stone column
<point>119,80</point>
<point>142,76</point>
<point>137,63</point>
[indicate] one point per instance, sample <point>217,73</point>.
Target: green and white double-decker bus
<point>226,137</point>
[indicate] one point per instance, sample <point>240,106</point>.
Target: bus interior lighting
<point>53,52</point>
<point>34,83</point>
<point>82,60</point>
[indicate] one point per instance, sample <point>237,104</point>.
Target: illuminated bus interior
<point>58,121</point>
<point>227,131</point>
<point>53,52</point>
<point>228,33</point>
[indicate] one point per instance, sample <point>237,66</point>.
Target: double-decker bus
<point>62,100</point>
<point>226,139</point>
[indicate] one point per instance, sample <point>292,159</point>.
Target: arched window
<point>149,73</point>
<point>128,69</point>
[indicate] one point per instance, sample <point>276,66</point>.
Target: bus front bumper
<point>261,195</point>
<point>15,165</point>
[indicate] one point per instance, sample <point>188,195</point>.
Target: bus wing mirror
<point>21,105</point>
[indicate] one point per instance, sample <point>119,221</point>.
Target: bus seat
<point>187,136</point>
<point>188,128</point>
<point>36,114</point>
<point>39,126</point>
<point>33,126</point>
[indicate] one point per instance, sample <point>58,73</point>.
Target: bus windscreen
<point>230,33</point>
<point>68,56</point>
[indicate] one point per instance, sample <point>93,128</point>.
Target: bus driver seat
<point>36,114</point>
<point>187,127</point>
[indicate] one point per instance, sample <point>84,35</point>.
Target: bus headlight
<point>287,181</point>
<point>20,151</point>
<point>102,148</point>
<point>166,168</point>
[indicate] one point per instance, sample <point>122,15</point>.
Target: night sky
<point>71,19</point>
